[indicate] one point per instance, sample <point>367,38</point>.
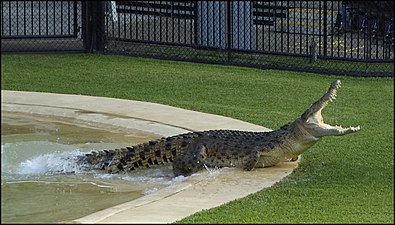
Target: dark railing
<point>39,20</point>
<point>41,25</point>
<point>338,37</point>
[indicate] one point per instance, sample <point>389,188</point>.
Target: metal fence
<point>337,37</point>
<point>41,26</point>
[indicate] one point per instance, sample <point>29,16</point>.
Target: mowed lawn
<point>345,179</point>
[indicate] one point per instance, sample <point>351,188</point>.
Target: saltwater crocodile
<point>190,152</point>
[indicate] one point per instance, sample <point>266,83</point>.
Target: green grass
<point>346,179</point>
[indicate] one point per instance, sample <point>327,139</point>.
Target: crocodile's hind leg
<point>191,162</point>
<point>251,161</point>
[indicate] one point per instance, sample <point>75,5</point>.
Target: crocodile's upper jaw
<point>312,119</point>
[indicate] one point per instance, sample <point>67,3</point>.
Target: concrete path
<point>203,190</point>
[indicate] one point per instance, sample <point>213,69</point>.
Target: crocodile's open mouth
<point>314,121</point>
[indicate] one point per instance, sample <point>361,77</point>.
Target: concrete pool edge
<point>202,191</point>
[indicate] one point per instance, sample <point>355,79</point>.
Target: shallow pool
<point>41,183</point>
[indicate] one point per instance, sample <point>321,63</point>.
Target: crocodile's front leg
<point>191,162</point>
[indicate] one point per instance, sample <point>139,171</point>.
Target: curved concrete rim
<point>204,190</point>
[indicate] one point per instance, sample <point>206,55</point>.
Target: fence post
<point>94,32</point>
<point>87,25</point>
<point>99,29</point>
<point>229,31</point>
<point>195,25</point>
<point>325,51</point>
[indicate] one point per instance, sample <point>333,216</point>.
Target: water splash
<point>52,163</point>
<point>35,157</point>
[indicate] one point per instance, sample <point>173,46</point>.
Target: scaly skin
<point>189,152</point>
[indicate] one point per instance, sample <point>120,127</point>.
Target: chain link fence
<point>334,37</point>
<point>30,26</point>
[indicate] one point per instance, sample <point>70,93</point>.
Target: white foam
<point>51,163</point>
<point>151,190</point>
<point>178,179</point>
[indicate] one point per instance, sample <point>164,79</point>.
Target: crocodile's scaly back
<point>190,152</point>
<point>187,151</point>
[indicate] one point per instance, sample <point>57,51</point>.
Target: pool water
<point>40,181</point>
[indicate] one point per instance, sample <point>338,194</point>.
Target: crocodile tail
<point>145,155</point>
<point>99,159</point>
